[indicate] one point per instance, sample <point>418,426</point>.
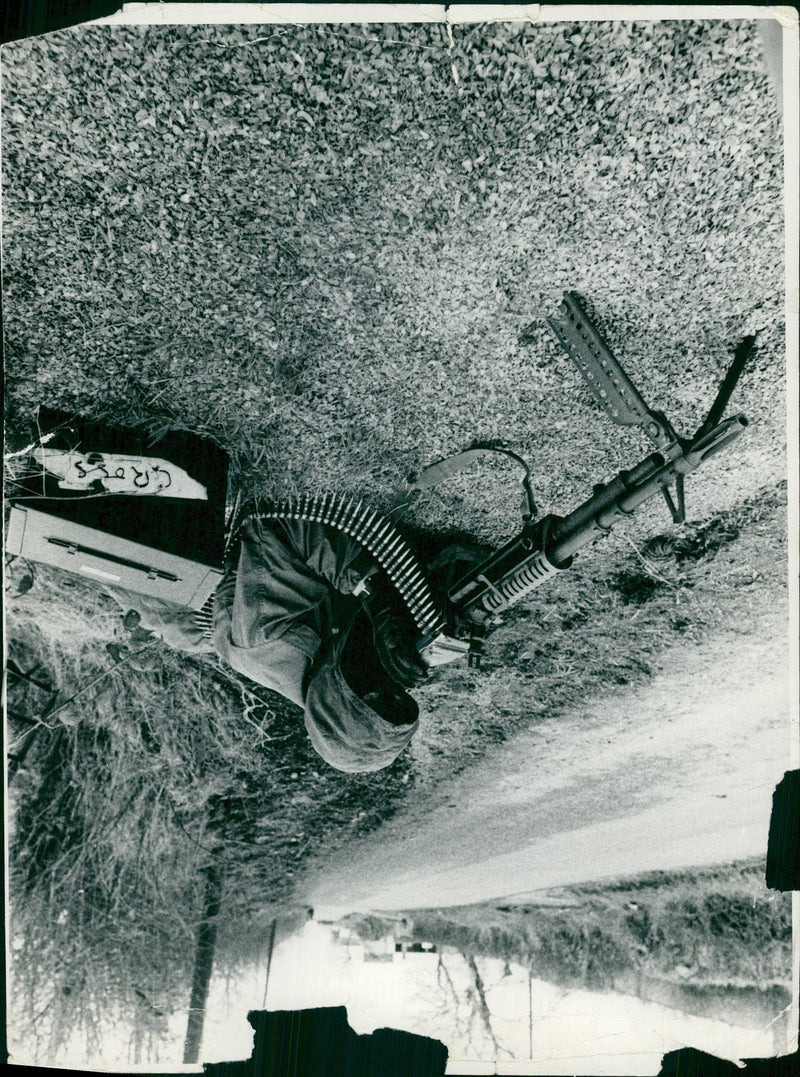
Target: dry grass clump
<point>62,619</point>
<point>151,767</point>
<point>107,839</point>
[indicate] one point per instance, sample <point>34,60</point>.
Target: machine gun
<point>547,545</point>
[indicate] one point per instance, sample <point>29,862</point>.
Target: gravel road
<point>679,773</point>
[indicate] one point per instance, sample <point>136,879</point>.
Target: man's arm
<point>331,554</point>
<point>285,572</point>
<point>281,581</point>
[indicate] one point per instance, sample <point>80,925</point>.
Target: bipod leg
<point>678,512</point>
<point>732,375</point>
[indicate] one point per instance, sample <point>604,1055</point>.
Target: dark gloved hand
<point>394,632</point>
<point>451,564</point>
<point>395,640</point>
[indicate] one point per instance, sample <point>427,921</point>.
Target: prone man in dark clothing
<point>287,616</point>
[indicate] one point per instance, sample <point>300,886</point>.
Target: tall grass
<point>165,765</point>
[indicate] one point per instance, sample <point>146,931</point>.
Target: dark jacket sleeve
<point>284,575</point>
<point>331,554</point>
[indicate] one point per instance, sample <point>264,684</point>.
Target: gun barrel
<point>608,501</point>
<point>630,489</point>
<point>544,548</point>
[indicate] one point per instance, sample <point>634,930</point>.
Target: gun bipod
<point>476,639</point>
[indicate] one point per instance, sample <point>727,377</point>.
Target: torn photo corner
<point>330,241</point>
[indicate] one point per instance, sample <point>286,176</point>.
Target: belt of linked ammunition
<point>368,528</point>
